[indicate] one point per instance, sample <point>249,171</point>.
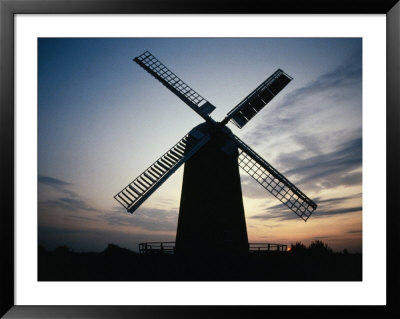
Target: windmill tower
<point>211,215</point>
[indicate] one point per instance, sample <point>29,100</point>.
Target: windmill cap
<point>207,128</point>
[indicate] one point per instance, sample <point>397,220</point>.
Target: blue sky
<point>103,120</point>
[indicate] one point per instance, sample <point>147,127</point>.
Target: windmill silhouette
<point>211,214</point>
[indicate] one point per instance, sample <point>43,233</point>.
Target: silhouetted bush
<point>298,248</point>
<point>114,249</point>
<point>318,247</point>
<point>62,250</point>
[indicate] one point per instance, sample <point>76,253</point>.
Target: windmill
<point>211,214</point>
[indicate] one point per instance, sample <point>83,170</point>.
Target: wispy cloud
<point>330,169</point>
<point>337,199</point>
<point>330,206</point>
<point>354,231</point>
<point>69,200</point>
<point>70,204</point>
<point>52,181</point>
<point>314,138</point>
<point>322,237</point>
<point>57,184</point>
<point>327,202</point>
<point>312,118</point>
<point>339,167</point>
<point>283,213</point>
<point>252,189</point>
<point>335,84</point>
<point>149,219</point>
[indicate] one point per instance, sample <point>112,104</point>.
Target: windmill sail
<point>257,99</point>
<point>133,195</point>
<point>199,104</point>
<point>273,181</point>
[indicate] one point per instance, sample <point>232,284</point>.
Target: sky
<point>102,120</point>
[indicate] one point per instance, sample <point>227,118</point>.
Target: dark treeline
<point>317,247</point>
<point>317,262</point>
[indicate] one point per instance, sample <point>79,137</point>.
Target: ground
<point>119,264</point>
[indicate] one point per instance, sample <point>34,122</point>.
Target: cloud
<point>338,211</point>
<point>313,136</point>
<point>150,219</point>
<point>328,202</point>
<point>336,199</point>
<point>69,200</point>
<point>315,117</point>
<point>339,167</point>
<point>354,231</point>
<point>322,237</point>
<point>57,184</point>
<point>336,83</point>
<point>326,207</point>
<point>252,189</point>
<point>52,181</point>
<point>330,169</point>
<point>70,204</point>
<point>74,207</point>
<point>283,213</point>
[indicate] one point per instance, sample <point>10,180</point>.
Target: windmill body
<point>211,215</point>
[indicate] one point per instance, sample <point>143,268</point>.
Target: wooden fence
<point>161,248</point>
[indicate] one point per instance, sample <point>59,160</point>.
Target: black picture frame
<point>8,8</point>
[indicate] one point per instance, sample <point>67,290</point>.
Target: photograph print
<point>199,159</point>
